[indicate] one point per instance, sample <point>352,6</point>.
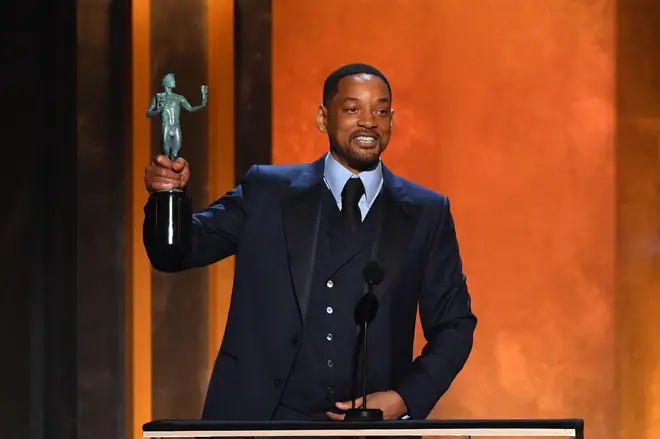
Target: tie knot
<point>353,191</point>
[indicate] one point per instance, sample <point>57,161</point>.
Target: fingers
<point>156,172</point>
<point>160,186</point>
<point>163,174</point>
<point>335,416</point>
<point>179,165</point>
<point>345,405</point>
<point>163,161</point>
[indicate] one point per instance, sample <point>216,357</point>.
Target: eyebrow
<point>349,99</point>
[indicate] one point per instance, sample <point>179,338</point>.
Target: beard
<point>356,158</point>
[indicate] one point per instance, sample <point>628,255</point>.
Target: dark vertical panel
<point>58,191</point>
<point>180,301</point>
<point>253,85</point>
<point>20,225</point>
<point>60,261</point>
<point>39,241</point>
<point>101,85</point>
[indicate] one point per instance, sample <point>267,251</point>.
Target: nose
<point>367,121</point>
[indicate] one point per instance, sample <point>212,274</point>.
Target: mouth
<point>365,140</point>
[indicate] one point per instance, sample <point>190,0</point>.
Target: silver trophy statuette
<point>171,209</point>
<point>167,105</point>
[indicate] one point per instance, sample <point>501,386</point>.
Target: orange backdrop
<point>508,109</point>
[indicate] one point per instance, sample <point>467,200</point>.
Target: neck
<point>168,90</point>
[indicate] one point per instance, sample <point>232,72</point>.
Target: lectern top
<point>180,428</point>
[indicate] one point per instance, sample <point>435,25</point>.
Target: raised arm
<point>215,231</point>
<point>447,321</point>
<point>186,105</point>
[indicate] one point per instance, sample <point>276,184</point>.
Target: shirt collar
<point>336,175</point>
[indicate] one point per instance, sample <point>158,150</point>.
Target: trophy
<point>173,207</point>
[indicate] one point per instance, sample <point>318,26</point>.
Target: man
<point>302,235</point>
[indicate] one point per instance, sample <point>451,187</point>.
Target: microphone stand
<point>364,414</point>
<point>364,369</point>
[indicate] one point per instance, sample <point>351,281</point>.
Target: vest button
<point>295,340</point>
<point>276,381</point>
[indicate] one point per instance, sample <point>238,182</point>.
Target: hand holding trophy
<point>167,175</point>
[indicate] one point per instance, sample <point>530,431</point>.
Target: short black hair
<point>331,85</point>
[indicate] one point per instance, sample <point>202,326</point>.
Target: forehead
<point>362,85</point>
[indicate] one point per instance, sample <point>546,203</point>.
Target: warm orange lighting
<point>138,301</point>
<point>509,111</point>
<point>220,152</point>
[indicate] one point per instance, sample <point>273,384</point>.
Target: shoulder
<point>277,175</point>
<point>418,194</point>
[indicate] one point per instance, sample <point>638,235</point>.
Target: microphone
<point>365,312</point>
<point>373,273</point>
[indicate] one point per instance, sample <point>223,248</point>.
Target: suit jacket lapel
<point>399,219</point>
<point>301,215</point>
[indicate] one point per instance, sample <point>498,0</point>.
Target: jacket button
<point>276,381</point>
<point>295,340</point>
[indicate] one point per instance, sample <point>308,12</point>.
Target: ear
<point>322,119</point>
<point>392,119</point>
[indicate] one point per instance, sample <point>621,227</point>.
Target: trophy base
<point>173,220</point>
<point>363,415</point>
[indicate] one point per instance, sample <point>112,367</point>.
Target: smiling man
<point>302,235</point>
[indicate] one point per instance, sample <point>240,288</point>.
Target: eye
<point>351,110</point>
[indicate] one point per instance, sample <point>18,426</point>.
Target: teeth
<point>365,139</point>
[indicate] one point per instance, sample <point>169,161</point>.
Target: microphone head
<point>366,309</point>
<point>373,273</point>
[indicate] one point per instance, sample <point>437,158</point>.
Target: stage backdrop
<point>539,119</point>
<point>508,108</point>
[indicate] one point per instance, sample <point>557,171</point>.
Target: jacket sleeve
<point>215,232</point>
<point>447,322</point>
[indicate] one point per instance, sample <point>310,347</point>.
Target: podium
<point>571,428</point>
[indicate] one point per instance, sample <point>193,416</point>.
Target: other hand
<point>162,174</point>
<point>389,402</point>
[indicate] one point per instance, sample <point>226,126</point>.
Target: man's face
<point>358,121</point>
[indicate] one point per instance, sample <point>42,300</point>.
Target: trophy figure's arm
<point>186,105</point>
<point>152,111</point>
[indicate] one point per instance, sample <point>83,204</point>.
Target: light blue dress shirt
<point>336,176</point>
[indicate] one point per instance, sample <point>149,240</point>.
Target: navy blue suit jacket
<point>269,222</point>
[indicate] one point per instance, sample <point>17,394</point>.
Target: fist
<point>163,174</point>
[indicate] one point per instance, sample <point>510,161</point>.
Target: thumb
<point>345,405</point>
<point>163,161</point>
<point>179,165</point>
